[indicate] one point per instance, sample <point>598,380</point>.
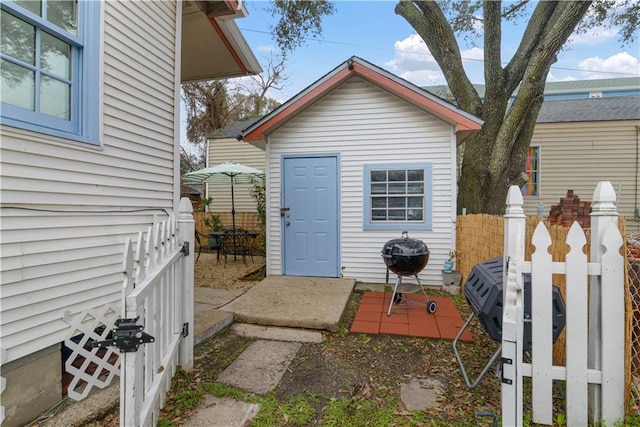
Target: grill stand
<point>396,297</point>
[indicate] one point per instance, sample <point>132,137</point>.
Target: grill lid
<point>404,246</point>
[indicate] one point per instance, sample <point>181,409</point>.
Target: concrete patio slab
<point>210,322</point>
<point>214,298</point>
<point>291,301</point>
<point>260,367</point>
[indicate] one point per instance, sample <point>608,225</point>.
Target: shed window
<point>49,52</point>
<point>397,196</point>
<point>532,169</point>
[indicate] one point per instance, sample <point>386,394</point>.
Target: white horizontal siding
<point>67,207</point>
<point>365,124</point>
<point>576,156</point>
<point>231,150</point>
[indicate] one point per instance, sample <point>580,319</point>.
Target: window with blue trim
<point>397,196</point>
<point>49,53</point>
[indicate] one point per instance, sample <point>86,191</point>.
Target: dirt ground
<point>358,367</point>
<point>209,272</point>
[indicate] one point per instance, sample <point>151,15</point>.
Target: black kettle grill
<point>406,257</point>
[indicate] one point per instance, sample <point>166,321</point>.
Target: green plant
<point>259,195</point>
<point>561,419</point>
<point>212,221</point>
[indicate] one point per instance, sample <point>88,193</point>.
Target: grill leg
<point>393,296</point>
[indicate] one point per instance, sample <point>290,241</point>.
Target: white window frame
<point>425,223</point>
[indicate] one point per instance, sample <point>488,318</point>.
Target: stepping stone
<point>261,366</point>
<point>420,394</point>
<point>223,412</point>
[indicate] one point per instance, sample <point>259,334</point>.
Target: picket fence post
<point>603,216</point>
<point>512,326</point>
<point>186,233</point>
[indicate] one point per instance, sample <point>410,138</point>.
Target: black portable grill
<point>406,257</point>
<point>483,291</point>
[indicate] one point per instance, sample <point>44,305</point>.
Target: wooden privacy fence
<point>594,372</point>
<point>245,220</point>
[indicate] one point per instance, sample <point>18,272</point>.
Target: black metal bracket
<point>503,361</point>
<point>185,329</point>
<point>127,337</point>
<point>185,249</point>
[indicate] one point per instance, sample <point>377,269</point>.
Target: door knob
<point>287,223</point>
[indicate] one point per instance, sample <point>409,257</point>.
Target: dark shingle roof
<point>590,110</point>
<point>234,129</point>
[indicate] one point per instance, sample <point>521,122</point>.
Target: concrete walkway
<point>301,302</point>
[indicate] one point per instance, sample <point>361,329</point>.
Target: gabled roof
<point>590,110</point>
<point>234,129</point>
<point>463,122</point>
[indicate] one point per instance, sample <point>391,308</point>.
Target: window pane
<point>397,202</point>
<point>414,202</point>
<point>31,5</point>
<point>18,85</point>
<point>56,56</point>
<point>55,98</point>
<point>17,39</point>
<point>397,175</point>
<point>415,188</point>
<point>415,214</point>
<point>378,176</point>
<point>397,214</point>
<point>378,188</point>
<point>379,215</point>
<point>397,188</point>
<point>378,202</point>
<point>415,175</point>
<point>64,14</point>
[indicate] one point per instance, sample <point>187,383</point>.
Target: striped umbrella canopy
<point>231,172</point>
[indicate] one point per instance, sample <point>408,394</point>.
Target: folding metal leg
<point>493,359</point>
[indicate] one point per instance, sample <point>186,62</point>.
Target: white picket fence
<point>594,297</point>
<point>157,295</point>
<point>158,291</point>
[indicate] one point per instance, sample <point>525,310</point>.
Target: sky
<point>372,31</point>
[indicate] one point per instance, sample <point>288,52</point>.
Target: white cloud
<point>552,78</point>
<point>593,36</point>
<point>598,68</point>
<point>266,48</point>
<point>413,61</point>
<point>474,54</point>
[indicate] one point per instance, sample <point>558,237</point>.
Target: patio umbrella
<point>231,172</point>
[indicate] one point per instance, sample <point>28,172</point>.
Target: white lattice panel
<point>91,367</point>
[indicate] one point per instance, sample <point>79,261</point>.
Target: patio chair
<point>235,242</point>
<point>205,241</point>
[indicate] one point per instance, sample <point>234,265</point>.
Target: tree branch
<point>427,19</point>
<point>493,75</point>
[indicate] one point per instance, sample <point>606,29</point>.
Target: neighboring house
<point>571,89</point>
<point>90,125</point>
<point>352,161</point>
<point>224,146</point>
<point>577,143</point>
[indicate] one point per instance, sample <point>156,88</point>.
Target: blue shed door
<point>310,216</point>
